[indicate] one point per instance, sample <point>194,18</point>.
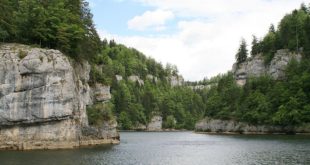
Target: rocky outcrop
<point>176,81</point>
<point>155,124</point>
<point>152,78</point>
<point>139,127</point>
<point>106,133</point>
<point>135,78</point>
<point>118,78</point>
<point>43,99</point>
<point>101,92</point>
<point>256,66</point>
<point>229,126</point>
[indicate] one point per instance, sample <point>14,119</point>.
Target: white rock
<point>256,67</point>
<point>42,99</point>
<point>155,123</point>
<point>135,78</point>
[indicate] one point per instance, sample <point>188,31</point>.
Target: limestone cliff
<point>176,80</point>
<point>43,99</point>
<point>229,126</point>
<point>256,67</point>
<point>155,124</point>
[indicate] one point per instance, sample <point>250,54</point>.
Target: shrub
<point>99,113</point>
<point>22,54</point>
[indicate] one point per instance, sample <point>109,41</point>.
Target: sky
<point>200,37</point>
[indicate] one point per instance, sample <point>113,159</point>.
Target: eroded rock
<point>256,67</point>
<point>229,126</point>
<point>43,99</point>
<point>155,124</point>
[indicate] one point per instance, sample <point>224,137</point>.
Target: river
<point>176,148</point>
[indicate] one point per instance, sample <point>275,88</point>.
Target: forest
<point>134,103</point>
<point>264,100</point>
<point>67,25</point>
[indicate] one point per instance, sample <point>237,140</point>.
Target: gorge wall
<point>43,99</point>
<point>230,126</point>
<point>256,66</point>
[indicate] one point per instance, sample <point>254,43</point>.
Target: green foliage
<point>67,25</point>
<point>135,104</point>
<point>242,54</point>
<point>97,76</point>
<point>255,47</point>
<point>124,121</point>
<point>60,24</point>
<point>224,96</point>
<point>6,14</point>
<point>292,33</point>
<point>170,122</point>
<point>263,100</point>
<point>22,54</point>
<point>99,113</point>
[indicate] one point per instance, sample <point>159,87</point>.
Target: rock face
<point>176,81</point>
<point>228,126</point>
<point>135,78</point>
<point>152,78</point>
<point>118,78</point>
<point>256,67</point>
<point>43,99</point>
<point>155,123</point>
<point>101,93</point>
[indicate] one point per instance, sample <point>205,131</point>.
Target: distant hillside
<point>272,87</point>
<point>143,88</point>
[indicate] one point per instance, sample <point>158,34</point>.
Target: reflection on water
<point>176,148</point>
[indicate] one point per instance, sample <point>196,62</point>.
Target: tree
<point>272,29</point>
<point>289,114</point>
<point>5,23</point>
<point>242,54</point>
<point>303,7</point>
<point>255,46</point>
<point>125,121</point>
<point>256,108</point>
<point>170,122</point>
<point>307,38</point>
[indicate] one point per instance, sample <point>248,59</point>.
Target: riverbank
<point>216,126</point>
<point>163,130</point>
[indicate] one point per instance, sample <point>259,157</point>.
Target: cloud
<point>207,33</point>
<point>151,19</point>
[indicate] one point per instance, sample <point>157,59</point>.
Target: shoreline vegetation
<point>134,88</point>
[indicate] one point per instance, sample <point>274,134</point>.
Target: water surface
<point>176,148</point>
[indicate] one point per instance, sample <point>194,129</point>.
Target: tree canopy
<point>242,53</point>
<point>59,24</point>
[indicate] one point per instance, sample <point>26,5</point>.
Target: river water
<point>176,148</point>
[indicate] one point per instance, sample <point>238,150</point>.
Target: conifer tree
<point>242,54</point>
<point>255,46</point>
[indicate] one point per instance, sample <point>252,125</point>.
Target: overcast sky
<point>201,37</point>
